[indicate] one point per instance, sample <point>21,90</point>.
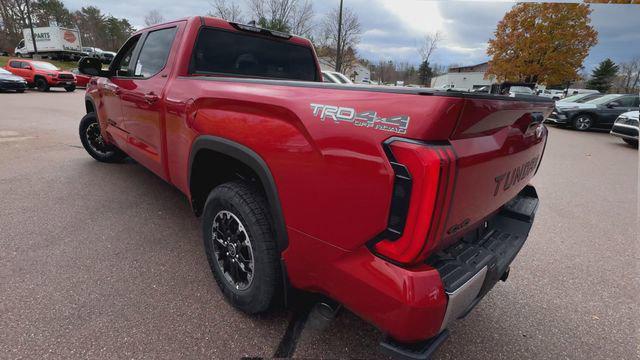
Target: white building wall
<point>462,80</point>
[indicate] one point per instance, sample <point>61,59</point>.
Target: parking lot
<point>106,260</point>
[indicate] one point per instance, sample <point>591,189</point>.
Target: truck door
<point>142,99</point>
<point>111,115</point>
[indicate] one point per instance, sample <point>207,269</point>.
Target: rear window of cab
<point>223,52</point>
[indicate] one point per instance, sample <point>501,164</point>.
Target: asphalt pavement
<point>106,260</point>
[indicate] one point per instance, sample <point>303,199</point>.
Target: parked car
<point>626,127</point>
<point>335,77</point>
<point>237,117</point>
<point>4,53</point>
<point>552,94</point>
<point>41,74</point>
<point>580,98</point>
<point>573,91</point>
<point>520,90</point>
<point>93,52</point>
<point>81,79</point>
<point>107,56</point>
<point>9,81</point>
<point>599,113</point>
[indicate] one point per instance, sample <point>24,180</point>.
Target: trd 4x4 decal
<point>395,124</point>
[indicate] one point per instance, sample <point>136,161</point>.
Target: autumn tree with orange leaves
<point>542,43</point>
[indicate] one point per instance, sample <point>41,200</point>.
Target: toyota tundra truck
<point>404,205</point>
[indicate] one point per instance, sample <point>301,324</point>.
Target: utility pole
<point>339,49</point>
<point>33,37</point>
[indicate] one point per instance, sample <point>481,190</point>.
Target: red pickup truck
<point>41,74</point>
<point>406,205</point>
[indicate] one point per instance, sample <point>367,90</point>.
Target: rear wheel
<point>631,142</point>
<point>42,85</point>
<point>241,246</point>
<point>582,122</point>
<point>20,91</point>
<point>93,142</point>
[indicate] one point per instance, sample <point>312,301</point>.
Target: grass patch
<point>64,65</point>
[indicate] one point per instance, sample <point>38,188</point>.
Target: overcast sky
<point>392,29</point>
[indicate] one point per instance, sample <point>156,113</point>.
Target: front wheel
<point>582,122</point>
<point>631,142</point>
<point>70,88</point>
<point>93,142</point>
<point>241,247</point>
<point>42,85</point>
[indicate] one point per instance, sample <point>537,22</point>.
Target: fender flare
<point>251,159</point>
<point>88,98</point>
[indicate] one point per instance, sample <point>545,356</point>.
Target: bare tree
<point>294,16</point>
<point>225,10</point>
<point>629,76</point>
<point>350,38</point>
<point>153,17</point>
<point>429,45</point>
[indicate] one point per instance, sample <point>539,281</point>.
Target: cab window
<point>155,52</point>
<point>120,64</point>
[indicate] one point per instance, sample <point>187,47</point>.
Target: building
<point>358,73</point>
<point>464,78</point>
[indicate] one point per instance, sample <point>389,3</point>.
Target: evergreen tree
<point>603,76</point>
<point>425,73</point>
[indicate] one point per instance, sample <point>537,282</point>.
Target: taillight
<point>425,192</point>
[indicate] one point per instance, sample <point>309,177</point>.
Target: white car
<point>626,127</point>
<point>552,94</point>
<point>335,77</point>
<point>520,90</point>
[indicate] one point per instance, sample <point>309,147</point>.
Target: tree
<point>228,11</point>
<point>429,45</point>
<point>153,17</point>
<point>602,77</point>
<point>45,11</point>
<point>426,74</point>
<point>350,38</point>
<point>290,16</point>
<point>629,78</point>
<point>541,43</point>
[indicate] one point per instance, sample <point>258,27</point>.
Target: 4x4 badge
<point>370,119</point>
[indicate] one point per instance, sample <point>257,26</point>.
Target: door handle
<point>113,88</point>
<point>151,97</point>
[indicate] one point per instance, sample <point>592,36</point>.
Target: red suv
<point>41,74</point>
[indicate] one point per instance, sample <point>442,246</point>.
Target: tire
<point>71,88</point>
<point>93,143</point>
<point>631,142</point>
<point>19,55</point>
<point>42,85</point>
<point>238,202</point>
<point>582,122</point>
<point>20,91</point>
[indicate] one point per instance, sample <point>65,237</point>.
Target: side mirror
<point>91,66</point>
<point>613,104</point>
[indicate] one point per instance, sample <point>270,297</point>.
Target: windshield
<point>343,79</point>
<point>603,100</point>
<point>4,72</point>
<point>44,65</point>
<point>581,98</point>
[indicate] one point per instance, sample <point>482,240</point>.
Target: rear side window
<point>155,52</point>
<point>228,53</point>
<point>15,64</point>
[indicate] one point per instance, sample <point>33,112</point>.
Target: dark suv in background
<point>597,113</point>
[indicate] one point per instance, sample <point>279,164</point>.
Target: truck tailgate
<point>498,145</point>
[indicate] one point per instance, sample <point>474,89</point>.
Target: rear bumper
<point>467,271</point>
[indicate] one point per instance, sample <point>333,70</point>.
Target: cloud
<point>393,29</point>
